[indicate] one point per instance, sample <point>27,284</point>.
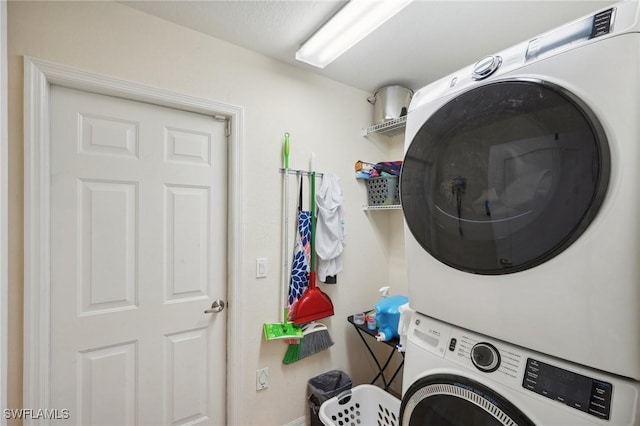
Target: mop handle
<point>285,263</point>
<point>286,151</point>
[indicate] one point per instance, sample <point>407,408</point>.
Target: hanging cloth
<point>329,227</point>
<point>301,254</point>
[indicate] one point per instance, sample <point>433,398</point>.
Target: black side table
<point>362,330</point>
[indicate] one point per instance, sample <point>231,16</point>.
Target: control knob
<point>485,67</point>
<point>485,357</point>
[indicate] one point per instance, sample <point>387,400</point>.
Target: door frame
<point>38,77</point>
<point>4,209</point>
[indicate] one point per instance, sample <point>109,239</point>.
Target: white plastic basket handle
<point>344,397</point>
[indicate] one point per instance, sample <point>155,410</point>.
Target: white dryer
<point>454,377</point>
<point>520,189</point>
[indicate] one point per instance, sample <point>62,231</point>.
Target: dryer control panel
<point>572,389</point>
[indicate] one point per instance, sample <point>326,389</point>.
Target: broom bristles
<point>293,353</point>
<point>316,339</point>
<point>314,342</point>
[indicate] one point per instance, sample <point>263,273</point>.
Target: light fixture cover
<point>356,20</point>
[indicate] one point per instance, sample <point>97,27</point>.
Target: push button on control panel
<point>452,344</point>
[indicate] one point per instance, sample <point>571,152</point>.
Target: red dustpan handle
<point>312,279</point>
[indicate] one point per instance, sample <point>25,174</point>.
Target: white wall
<point>397,259</point>
<point>321,115</point>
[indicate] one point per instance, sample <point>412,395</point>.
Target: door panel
<point>107,255</point>
<point>138,252</point>
<point>186,242</point>
<point>106,377</point>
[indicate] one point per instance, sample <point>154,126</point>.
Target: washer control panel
<point>489,356</point>
<point>563,386</point>
<point>572,389</point>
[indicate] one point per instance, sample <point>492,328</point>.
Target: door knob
<point>216,306</point>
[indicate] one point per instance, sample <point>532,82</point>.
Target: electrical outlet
<point>262,378</point>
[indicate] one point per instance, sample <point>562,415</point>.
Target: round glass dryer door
<point>504,177</point>
<point>450,400</point>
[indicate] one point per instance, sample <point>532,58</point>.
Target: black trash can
<point>324,387</point>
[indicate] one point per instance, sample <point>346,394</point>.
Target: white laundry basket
<point>361,406</point>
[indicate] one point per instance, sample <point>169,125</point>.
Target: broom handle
<point>312,207</point>
<point>313,220</point>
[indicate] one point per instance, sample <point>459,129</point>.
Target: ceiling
<point>427,40</point>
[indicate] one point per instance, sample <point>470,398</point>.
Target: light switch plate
<point>261,267</point>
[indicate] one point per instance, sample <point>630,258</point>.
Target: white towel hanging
<point>329,227</point>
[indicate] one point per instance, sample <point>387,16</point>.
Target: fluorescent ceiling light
<point>356,20</point>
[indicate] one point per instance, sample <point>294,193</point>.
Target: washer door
<point>450,400</point>
<point>504,177</point>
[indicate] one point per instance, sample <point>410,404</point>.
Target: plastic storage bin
<point>324,387</point>
<point>383,190</point>
<point>362,405</point>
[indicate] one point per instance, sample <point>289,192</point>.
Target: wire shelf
<point>382,207</point>
<point>389,128</point>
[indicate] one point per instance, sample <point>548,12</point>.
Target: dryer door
<point>504,176</point>
<point>450,400</point>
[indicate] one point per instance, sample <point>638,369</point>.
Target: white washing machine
<point>520,189</point>
<point>454,377</point>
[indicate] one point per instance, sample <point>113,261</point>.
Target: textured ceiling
<point>427,40</point>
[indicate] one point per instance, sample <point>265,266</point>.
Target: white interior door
<point>138,253</point>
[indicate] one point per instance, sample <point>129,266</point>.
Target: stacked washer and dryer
<point>520,189</point>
